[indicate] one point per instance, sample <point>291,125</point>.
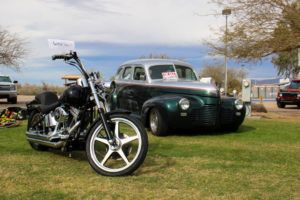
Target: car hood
<point>188,87</point>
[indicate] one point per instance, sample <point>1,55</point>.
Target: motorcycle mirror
<point>98,75</point>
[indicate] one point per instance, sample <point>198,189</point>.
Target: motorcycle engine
<point>60,114</point>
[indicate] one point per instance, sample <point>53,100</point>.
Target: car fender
<point>166,104</point>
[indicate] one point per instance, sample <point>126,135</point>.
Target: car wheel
<point>157,124</point>
<point>12,100</point>
<point>280,105</point>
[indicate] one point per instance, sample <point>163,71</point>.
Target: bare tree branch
<point>258,28</point>
<point>12,50</point>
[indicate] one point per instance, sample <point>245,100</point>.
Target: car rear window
<point>5,79</point>
<point>157,70</point>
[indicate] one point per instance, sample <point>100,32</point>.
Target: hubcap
<point>153,121</point>
<point>116,146</point>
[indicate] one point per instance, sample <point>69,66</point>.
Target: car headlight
<point>280,94</point>
<point>184,104</point>
<point>298,95</point>
<point>239,104</point>
<point>12,87</point>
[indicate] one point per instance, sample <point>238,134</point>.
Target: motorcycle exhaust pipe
<point>30,134</point>
<point>54,145</point>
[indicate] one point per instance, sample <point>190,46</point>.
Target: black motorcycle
<point>116,144</point>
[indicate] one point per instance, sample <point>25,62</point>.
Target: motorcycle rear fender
<point>43,102</point>
<point>107,115</point>
<point>33,105</point>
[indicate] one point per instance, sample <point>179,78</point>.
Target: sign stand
<point>246,95</point>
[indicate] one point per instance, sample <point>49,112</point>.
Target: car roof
<point>150,62</point>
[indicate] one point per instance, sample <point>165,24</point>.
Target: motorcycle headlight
<point>238,104</point>
<point>184,104</point>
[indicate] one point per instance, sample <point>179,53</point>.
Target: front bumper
<point>8,94</point>
<point>290,101</point>
<point>207,117</point>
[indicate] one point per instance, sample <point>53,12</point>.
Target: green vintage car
<point>168,95</point>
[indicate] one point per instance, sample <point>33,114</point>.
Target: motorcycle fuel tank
<point>74,96</point>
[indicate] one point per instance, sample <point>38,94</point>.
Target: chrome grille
<point>226,116</point>
<point>4,87</point>
<point>289,94</point>
<point>206,115</point>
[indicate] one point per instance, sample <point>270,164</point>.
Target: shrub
<point>33,89</point>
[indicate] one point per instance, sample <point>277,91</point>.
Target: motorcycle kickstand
<point>67,150</point>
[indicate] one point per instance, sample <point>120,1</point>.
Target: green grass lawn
<point>260,161</point>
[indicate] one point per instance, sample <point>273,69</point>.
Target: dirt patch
<point>290,112</point>
<point>22,100</point>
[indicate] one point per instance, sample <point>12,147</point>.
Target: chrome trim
<point>239,104</point>
<point>72,129</point>
<point>181,102</point>
<point>181,84</point>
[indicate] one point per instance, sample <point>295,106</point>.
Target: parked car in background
<point>8,89</point>
<point>290,95</point>
<point>167,94</point>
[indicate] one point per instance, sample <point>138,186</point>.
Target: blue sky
<point>108,33</point>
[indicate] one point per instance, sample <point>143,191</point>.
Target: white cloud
<point>117,21</point>
<point>127,23</point>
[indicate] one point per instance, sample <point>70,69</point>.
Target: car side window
<point>127,73</point>
<point>185,73</point>
<point>139,74</point>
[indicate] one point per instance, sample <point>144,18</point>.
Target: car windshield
<point>5,79</point>
<point>295,85</point>
<point>157,70</point>
<point>183,72</point>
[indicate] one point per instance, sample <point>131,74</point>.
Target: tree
<point>217,72</point>
<point>286,63</point>
<point>159,56</point>
<point>156,56</point>
<point>259,28</point>
<point>12,50</point>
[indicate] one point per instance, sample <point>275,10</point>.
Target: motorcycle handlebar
<point>65,57</point>
<point>72,55</point>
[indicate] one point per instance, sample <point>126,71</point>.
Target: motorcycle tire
<point>125,155</point>
<point>34,115</point>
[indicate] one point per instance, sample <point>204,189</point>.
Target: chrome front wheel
<point>121,156</point>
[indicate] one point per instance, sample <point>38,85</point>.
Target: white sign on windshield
<point>63,45</point>
<point>169,75</point>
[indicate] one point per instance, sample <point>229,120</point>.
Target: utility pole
<point>226,12</point>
